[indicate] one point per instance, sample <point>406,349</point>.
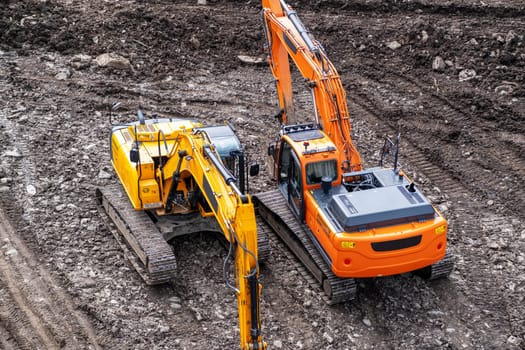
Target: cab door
<point>290,179</point>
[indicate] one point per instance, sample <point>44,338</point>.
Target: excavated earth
<point>448,75</point>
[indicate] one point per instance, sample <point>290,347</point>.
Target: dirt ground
<point>449,75</point>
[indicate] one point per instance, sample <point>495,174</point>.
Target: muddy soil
<point>448,75</point>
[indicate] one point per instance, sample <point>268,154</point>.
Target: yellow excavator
<point>176,178</point>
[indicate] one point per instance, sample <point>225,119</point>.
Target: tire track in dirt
<point>511,9</point>
<point>5,340</point>
<point>41,313</point>
<point>44,306</point>
<point>17,324</point>
<point>507,165</point>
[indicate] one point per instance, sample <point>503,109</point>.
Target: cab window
<point>316,171</point>
<point>284,162</point>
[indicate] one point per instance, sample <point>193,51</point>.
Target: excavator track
<point>441,269</point>
<point>137,235</point>
<point>263,241</point>
<point>273,208</point>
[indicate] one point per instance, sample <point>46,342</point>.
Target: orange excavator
<point>341,220</point>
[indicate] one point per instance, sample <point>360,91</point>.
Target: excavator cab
<point>230,150</point>
<point>306,159</point>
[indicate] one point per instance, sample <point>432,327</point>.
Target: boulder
<point>113,60</point>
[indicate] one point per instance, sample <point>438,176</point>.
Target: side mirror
<point>254,169</point>
<point>140,115</point>
<point>114,107</point>
<point>271,150</point>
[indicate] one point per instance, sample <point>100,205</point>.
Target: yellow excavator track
<point>137,235</point>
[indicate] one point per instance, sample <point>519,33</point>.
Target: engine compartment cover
<point>379,207</point>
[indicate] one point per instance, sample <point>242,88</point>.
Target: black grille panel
<point>397,244</point>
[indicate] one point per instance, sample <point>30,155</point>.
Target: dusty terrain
<point>64,282</point>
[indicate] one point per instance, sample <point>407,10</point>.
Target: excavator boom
<point>287,37</point>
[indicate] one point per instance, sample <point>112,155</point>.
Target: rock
<point>164,329</point>
<point>219,315</point>
<point>202,2</point>
<point>278,344</point>
<point>367,322</point>
<point>81,58</point>
<point>91,145</point>
<point>80,61</point>
<point>14,153</point>
<point>436,313</point>
<point>473,42</point>
<point>438,64</point>
<point>505,89</point>
<point>5,180</point>
<point>175,299</point>
<point>424,36</point>
<point>113,60</point>
<point>4,189</point>
<point>498,37</point>
<point>11,252</point>
<point>511,37</point>
<point>328,338</point>
<point>85,282</point>
<point>393,45</point>
<point>513,340</point>
<point>195,42</point>
<point>490,202</point>
<point>493,245</point>
<point>443,208</point>
<point>467,74</point>
<point>196,313</point>
<point>104,174</point>
<point>63,75</point>
<point>250,59</point>
<point>31,190</point>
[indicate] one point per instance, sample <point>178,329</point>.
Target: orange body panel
<point>352,254</point>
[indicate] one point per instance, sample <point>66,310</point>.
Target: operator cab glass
<point>316,171</point>
<point>290,176</point>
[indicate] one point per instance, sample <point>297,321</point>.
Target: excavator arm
<point>235,215</point>
<point>287,37</point>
